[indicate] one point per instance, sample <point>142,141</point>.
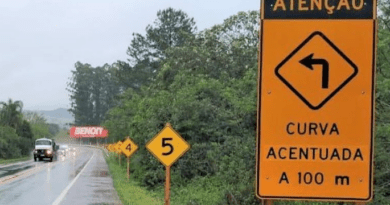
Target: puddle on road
<point>100,192</point>
<point>98,173</point>
<point>9,167</point>
<point>8,171</point>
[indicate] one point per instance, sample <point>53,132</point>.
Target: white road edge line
<point>63,193</point>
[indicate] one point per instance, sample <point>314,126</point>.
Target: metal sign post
<point>267,202</point>
<point>167,198</point>
<point>128,168</point>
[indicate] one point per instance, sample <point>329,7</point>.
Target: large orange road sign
<point>316,100</point>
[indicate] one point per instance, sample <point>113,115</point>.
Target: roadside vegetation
<point>9,161</point>
<point>129,191</point>
<point>19,130</point>
<point>205,84</point>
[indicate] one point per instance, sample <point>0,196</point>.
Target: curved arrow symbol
<point>308,61</point>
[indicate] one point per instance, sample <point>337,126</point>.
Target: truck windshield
<point>42,142</point>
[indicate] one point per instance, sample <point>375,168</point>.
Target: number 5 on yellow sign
<point>167,146</point>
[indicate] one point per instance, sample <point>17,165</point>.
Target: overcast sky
<point>41,40</point>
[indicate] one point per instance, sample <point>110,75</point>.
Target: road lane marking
<point>63,193</point>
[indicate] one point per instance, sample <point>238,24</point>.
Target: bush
<point>9,143</point>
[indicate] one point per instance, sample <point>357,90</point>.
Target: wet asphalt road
<point>79,178</point>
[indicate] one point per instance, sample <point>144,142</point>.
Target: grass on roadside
<point>129,191</point>
<point>8,161</point>
<point>201,190</point>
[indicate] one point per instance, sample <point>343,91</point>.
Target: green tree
<point>15,133</point>
<point>222,52</point>
<point>9,143</point>
<point>205,86</point>
<point>80,88</point>
<point>53,128</point>
<point>112,88</point>
<point>97,95</point>
<point>26,137</point>
<point>171,29</point>
<point>209,102</point>
<point>93,92</point>
<point>39,126</point>
<point>34,117</point>
<point>11,113</point>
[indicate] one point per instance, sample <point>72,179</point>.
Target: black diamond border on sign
<point>336,90</point>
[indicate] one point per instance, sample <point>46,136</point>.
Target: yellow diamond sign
<point>117,147</point>
<point>167,146</point>
<point>128,147</point>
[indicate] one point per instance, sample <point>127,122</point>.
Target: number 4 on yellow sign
<point>128,147</point>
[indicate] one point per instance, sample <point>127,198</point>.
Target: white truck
<point>45,148</point>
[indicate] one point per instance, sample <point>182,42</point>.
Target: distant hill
<point>57,113</point>
<point>59,116</point>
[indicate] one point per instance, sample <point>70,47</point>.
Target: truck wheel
<point>35,159</point>
<point>51,159</point>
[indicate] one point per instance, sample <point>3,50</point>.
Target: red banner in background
<point>89,131</point>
